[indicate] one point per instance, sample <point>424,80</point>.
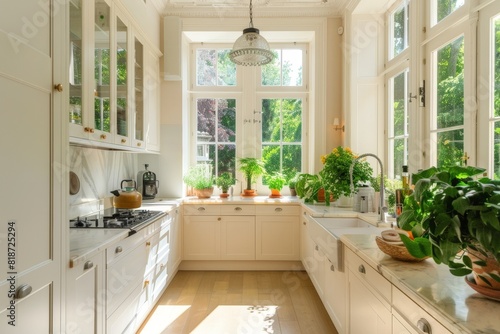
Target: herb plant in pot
<point>201,179</point>
<point>292,184</point>
<point>455,219</point>
<point>224,181</point>
<point>275,182</point>
<point>335,173</point>
<point>251,169</point>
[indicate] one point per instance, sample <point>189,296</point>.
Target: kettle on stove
<point>147,183</point>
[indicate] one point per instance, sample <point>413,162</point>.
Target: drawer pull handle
<point>219,219</point>
<point>23,290</point>
<point>278,209</point>
<point>332,268</point>
<point>88,265</point>
<point>424,326</point>
<point>148,243</point>
<point>362,269</point>
<point>316,247</point>
<point>119,249</point>
<point>201,208</point>
<point>304,223</point>
<point>146,283</point>
<point>237,208</point>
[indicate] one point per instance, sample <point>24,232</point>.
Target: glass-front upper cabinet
<point>139,92</point>
<point>102,66</point>
<point>75,62</point>
<point>122,74</point>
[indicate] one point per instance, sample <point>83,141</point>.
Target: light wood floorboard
<point>239,302</point>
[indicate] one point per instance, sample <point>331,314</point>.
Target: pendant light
<point>251,49</point>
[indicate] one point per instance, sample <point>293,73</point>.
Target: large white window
<point>249,111</point>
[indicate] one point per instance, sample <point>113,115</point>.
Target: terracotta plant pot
<point>249,193</point>
<point>224,195</point>
<point>204,193</point>
<point>275,193</point>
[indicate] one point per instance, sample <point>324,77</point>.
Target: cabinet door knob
<point>316,247</point>
<point>237,208</point>
<point>58,87</point>
<point>332,268</point>
<point>139,144</point>
<point>119,249</point>
<point>362,269</point>
<point>23,290</point>
<point>219,219</point>
<point>146,283</point>
<point>424,326</point>
<point>201,208</point>
<point>123,140</point>
<point>88,265</point>
<point>304,223</point>
<point>278,209</point>
<point>148,243</point>
<point>103,136</point>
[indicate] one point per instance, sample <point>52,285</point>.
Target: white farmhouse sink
<point>326,233</point>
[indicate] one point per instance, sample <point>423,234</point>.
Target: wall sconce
<point>336,125</point>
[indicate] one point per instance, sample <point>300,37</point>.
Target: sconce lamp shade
<point>251,49</point>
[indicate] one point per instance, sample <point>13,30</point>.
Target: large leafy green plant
<point>335,172</point>
<point>308,186</point>
<point>251,168</point>
<point>449,212</point>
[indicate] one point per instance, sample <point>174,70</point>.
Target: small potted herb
<point>224,181</point>
<point>292,184</point>
<point>275,182</point>
<point>251,168</point>
<point>201,179</point>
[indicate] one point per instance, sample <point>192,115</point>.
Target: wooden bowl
<point>396,251</point>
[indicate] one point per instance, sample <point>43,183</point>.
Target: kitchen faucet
<point>382,208</point>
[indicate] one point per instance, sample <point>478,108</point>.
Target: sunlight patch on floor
<point>238,319</point>
<point>162,317</point>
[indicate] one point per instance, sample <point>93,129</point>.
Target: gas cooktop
<point>116,218</point>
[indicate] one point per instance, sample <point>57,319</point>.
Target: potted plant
<point>251,168</point>
<point>224,181</point>
<point>275,182</point>
<point>335,173</point>
<point>310,188</point>
<point>292,184</point>
<point>201,179</point>
<point>455,219</point>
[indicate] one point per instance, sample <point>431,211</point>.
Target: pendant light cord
<point>251,21</point>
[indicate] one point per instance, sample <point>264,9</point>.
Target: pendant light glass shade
<point>251,49</point>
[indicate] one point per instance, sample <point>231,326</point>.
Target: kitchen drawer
<point>192,209</point>
<point>369,275</point>
<point>414,315</point>
<point>122,247</point>
<point>237,210</point>
<point>279,210</point>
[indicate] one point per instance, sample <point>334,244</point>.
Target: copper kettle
<point>127,197</point>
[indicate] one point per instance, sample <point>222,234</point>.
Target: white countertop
<point>446,297</point>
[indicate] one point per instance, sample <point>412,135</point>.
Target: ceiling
<point>267,8</point>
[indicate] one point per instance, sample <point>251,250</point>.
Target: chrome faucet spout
<point>382,209</point>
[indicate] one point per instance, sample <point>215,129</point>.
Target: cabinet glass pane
<point>121,78</point>
<point>75,62</point>
<point>139,91</point>
<point>102,66</point>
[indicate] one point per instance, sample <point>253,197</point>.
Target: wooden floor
<point>239,302</point>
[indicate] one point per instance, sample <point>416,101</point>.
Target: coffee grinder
<point>147,184</point>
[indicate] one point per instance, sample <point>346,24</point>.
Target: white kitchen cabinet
<point>237,238</point>
<point>369,298</point>
<point>33,151</point>
<point>277,233</point>
<point>412,317</point>
<point>85,293</point>
<point>109,72</point>
<point>175,251</point>
<point>210,234</point>
<point>399,326</point>
<point>335,295</point>
<point>201,238</point>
